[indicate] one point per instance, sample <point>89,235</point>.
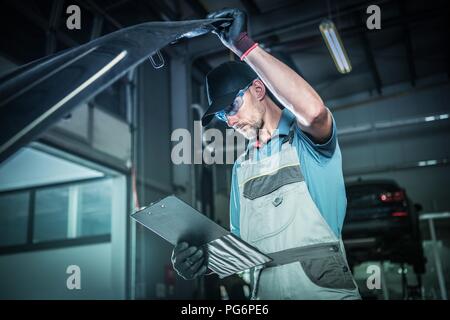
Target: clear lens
<point>234,107</point>
<point>237,103</point>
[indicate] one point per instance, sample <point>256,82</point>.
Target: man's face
<point>249,119</point>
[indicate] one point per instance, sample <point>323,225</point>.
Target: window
<point>64,211</point>
<point>73,211</point>
<point>14,209</point>
<point>51,208</point>
<point>51,199</point>
<point>95,208</point>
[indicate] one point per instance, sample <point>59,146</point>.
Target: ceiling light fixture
<point>335,47</point>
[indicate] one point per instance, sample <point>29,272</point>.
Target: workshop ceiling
<point>412,43</point>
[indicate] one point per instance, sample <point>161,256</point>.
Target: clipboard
<point>176,221</point>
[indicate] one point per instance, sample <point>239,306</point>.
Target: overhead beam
<point>55,15</point>
<point>310,21</point>
<point>309,40</point>
<point>280,23</point>
<point>371,62</point>
<point>360,19</point>
<point>408,46</point>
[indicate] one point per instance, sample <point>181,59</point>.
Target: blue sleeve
<point>319,151</point>
<point>234,204</point>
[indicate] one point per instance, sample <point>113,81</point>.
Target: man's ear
<point>259,89</point>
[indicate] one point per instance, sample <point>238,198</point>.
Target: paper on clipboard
<point>176,221</point>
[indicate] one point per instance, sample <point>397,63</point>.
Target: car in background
<point>382,224</point>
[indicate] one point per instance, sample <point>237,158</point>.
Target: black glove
<point>189,261</point>
<point>235,35</point>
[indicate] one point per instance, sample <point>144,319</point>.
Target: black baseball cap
<point>223,84</point>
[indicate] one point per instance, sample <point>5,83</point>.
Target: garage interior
<point>66,195</point>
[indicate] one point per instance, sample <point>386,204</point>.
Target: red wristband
<point>248,51</point>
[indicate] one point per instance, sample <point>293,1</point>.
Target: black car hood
<point>36,95</point>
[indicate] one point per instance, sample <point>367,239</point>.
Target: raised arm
<point>293,92</point>
<point>288,86</point>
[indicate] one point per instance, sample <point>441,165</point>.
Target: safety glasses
<point>232,109</point>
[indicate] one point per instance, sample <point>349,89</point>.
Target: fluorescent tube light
<point>335,47</point>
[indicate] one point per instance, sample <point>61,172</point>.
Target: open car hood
<point>36,95</point>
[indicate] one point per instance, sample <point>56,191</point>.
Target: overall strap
<point>290,137</point>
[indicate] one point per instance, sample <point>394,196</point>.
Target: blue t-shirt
<point>321,166</point>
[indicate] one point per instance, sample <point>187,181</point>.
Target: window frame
<point>50,244</point>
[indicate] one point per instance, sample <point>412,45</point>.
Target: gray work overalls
<point>279,217</point>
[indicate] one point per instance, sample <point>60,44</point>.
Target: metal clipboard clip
<point>159,61</point>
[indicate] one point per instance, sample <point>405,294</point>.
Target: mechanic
<point>288,198</point>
